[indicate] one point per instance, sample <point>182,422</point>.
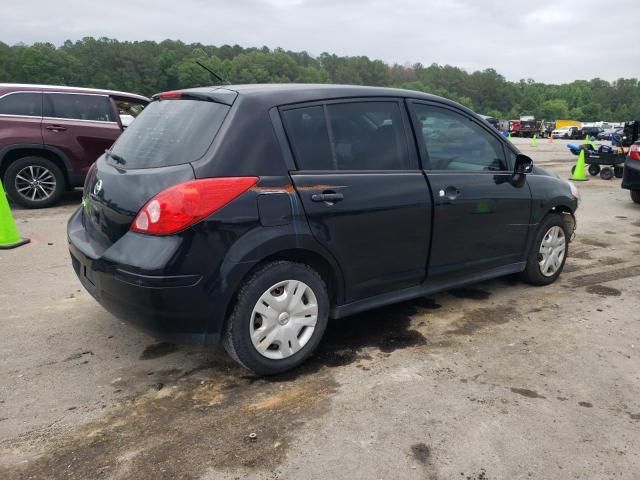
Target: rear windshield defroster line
<point>170,132</point>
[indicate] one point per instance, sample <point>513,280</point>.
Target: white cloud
<point>545,40</point>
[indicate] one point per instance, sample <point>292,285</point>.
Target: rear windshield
<point>169,132</point>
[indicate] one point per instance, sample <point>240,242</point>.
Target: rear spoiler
<point>217,95</point>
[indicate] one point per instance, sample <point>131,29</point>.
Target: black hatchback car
<point>252,214</point>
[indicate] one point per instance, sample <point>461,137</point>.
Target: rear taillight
<point>634,152</point>
<point>182,205</point>
<point>172,95</point>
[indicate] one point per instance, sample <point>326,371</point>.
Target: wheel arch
<point>328,271</point>
<point>10,154</point>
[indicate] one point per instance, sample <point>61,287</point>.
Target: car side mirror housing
<point>523,165</point>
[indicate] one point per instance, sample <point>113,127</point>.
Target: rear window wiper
<point>116,157</point>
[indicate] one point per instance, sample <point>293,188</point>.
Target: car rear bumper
<point>631,177</point>
<point>174,308</point>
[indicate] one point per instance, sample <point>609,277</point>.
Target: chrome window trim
<point>50,119</point>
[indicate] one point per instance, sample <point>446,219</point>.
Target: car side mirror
<point>523,165</point>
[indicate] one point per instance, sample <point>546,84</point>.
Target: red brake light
<point>173,94</point>
<point>182,205</point>
<point>634,152</point>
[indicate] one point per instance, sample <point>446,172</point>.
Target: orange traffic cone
<point>551,137</point>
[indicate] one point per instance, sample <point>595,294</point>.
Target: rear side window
<point>170,132</point>
<point>27,104</point>
<point>359,136</point>
<point>74,106</point>
<point>369,136</point>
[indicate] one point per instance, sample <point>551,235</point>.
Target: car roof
<point>287,93</point>
<point>9,87</point>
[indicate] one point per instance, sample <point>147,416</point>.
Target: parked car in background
<point>592,132</point>
<point>631,175</point>
<point>251,214</point>
<point>51,135</point>
<point>607,133</point>
<point>567,132</point>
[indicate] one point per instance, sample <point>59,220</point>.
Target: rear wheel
<point>279,318</point>
<point>548,252</point>
<point>594,169</point>
<point>606,173</point>
<point>34,182</point>
<point>635,196</point>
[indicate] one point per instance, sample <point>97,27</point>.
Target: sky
<point>548,41</point>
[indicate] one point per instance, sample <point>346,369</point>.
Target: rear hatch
<point>151,155</point>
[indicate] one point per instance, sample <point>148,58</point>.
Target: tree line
<point>147,67</point>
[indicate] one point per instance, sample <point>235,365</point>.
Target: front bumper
<point>631,177</point>
<point>172,307</point>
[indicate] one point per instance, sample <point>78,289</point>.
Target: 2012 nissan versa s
<point>251,214</point>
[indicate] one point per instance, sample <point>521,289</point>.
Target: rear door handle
<point>329,197</point>
<point>56,128</point>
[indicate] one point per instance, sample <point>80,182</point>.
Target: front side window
<point>25,104</point>
<point>96,108</point>
<point>455,142</point>
<point>359,136</point>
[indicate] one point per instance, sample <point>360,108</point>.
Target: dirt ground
<point>495,381</point>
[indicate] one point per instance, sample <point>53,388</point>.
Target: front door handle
<point>327,196</point>
<point>56,128</point>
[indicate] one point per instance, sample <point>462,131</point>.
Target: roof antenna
<point>215,75</point>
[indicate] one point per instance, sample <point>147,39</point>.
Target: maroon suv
<point>50,136</point>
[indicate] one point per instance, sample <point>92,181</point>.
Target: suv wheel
<point>635,196</point>
<point>279,318</point>
<point>34,182</point>
<point>548,252</point>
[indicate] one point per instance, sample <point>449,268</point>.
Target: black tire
<point>606,173</point>
<point>594,169</point>
<point>236,336</point>
<point>532,273</point>
<point>12,179</point>
<point>635,196</point>
<point>618,172</point>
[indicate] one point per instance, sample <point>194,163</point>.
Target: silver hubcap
<point>552,251</point>
<point>35,182</point>
<point>284,319</point>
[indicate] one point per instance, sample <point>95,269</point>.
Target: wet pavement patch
<point>182,431</point>
<point>585,404</point>
<point>158,350</point>
<point>469,292</point>
<point>604,291</point>
<point>608,276</point>
<point>594,242</point>
<point>483,317</point>
<point>525,392</point>
<point>386,329</point>
<point>421,452</point>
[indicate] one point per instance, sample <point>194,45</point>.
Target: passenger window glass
<point>307,132</point>
<point>79,107</point>
<point>28,104</point>
<point>454,142</point>
<point>369,136</point>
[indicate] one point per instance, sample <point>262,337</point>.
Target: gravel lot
<point>495,381</point>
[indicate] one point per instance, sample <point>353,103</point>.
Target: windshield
<point>169,132</point>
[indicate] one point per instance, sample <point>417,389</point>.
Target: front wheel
<point>279,318</point>
<point>548,252</point>
<point>606,173</point>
